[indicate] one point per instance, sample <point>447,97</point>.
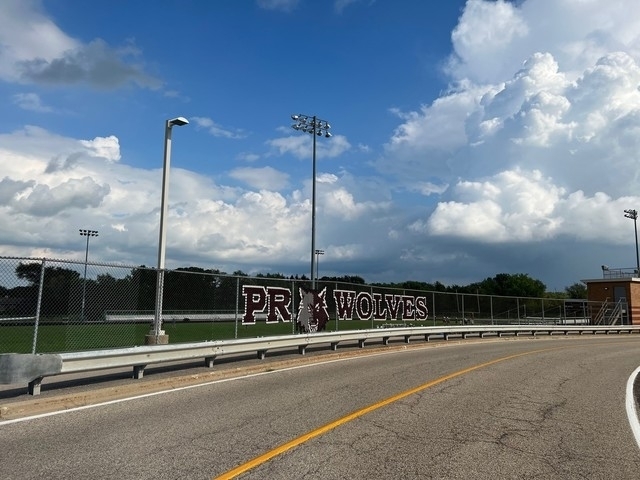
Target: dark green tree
<point>59,283</point>
<point>576,291</point>
<point>513,285</point>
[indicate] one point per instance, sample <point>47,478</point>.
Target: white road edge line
<point>188,387</point>
<point>630,401</point>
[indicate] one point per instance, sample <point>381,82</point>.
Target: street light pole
<point>315,127</point>
<point>157,318</point>
<point>318,253</point>
<point>633,214</point>
<point>88,234</point>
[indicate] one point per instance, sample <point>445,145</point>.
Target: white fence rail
<point>32,368</point>
<point>176,317</point>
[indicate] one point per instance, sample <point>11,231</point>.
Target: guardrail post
<point>208,362</point>
<point>138,371</point>
<point>34,386</point>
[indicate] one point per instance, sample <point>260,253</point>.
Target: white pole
<point>157,318</point>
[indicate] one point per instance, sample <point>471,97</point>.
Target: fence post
<point>38,306</point>
<point>157,336</point>
<point>235,334</point>
<point>294,314</point>
<point>463,319</point>
<point>433,304</point>
<point>491,307</point>
<point>372,310</point>
<point>335,287</point>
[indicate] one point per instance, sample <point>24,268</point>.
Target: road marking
<point>630,401</point>
<point>204,384</point>
<point>245,467</point>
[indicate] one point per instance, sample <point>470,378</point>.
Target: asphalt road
<point>540,408</point>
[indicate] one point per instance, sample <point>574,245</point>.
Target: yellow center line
<point>245,467</point>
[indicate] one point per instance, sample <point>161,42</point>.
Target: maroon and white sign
<point>313,314</point>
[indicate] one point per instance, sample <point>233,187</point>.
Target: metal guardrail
<point>32,368</point>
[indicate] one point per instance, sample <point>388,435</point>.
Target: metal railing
<point>611,314</point>
<point>618,272</point>
<point>31,369</point>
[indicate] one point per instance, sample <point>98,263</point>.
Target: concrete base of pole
<point>152,339</point>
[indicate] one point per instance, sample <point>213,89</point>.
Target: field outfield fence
<point>50,306</point>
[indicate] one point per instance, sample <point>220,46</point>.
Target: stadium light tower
<point>88,234</point>
<point>316,128</point>
<point>157,318</point>
<point>633,214</point>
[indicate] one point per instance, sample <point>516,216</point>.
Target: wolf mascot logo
<point>312,313</point>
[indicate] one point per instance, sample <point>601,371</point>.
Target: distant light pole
<point>633,214</point>
<point>157,319</point>
<point>315,127</point>
<point>88,234</point>
<point>318,253</point>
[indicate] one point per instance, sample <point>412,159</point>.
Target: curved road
<point>509,408</point>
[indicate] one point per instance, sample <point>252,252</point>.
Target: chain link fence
<point>57,305</point>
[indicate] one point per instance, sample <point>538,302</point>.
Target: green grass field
<point>93,336</point>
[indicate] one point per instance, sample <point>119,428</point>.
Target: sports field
<point>92,336</point>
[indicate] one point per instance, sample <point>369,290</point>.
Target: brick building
<point>620,289</point>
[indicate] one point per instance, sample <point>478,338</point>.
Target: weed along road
<point>501,408</point>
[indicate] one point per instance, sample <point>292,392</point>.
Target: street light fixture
<point>88,234</point>
<point>157,319</point>
<point>633,214</point>
<point>317,128</point>
<point>318,253</point>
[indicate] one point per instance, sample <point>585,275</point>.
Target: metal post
<point>433,306</point>
<point>371,290</point>
<point>294,312</point>
<point>235,331</point>
<point>491,307</point>
<point>88,234</point>
<point>335,287</point>
<point>633,214</point>
<point>38,306</point>
<point>313,208</point>
<point>157,318</point>
<point>318,253</point>
<point>315,127</point>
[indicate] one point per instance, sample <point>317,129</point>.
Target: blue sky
<point>470,138</point>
